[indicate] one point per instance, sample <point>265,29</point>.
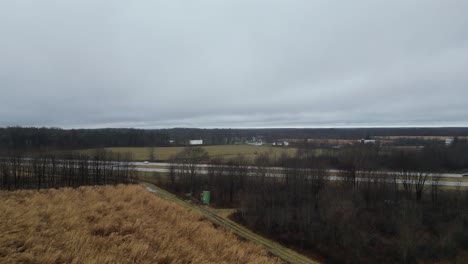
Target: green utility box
<point>205,197</point>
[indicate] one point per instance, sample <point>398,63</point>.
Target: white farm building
<point>280,143</point>
<point>196,142</point>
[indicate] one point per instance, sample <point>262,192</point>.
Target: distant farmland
<point>222,151</point>
<point>122,224</point>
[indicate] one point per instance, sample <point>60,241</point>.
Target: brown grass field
<point>418,137</point>
<point>324,141</point>
<point>222,151</point>
<point>112,224</point>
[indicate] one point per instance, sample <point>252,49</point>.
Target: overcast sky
<point>154,64</point>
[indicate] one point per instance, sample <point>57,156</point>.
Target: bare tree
<point>189,158</point>
<point>420,179</point>
<point>47,171</point>
<point>172,175</point>
<point>435,180</point>
<point>316,181</point>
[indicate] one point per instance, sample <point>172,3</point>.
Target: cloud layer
<point>233,63</point>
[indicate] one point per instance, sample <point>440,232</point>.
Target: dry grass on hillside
<point>122,224</point>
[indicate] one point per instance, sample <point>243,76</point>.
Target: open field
<point>382,139</point>
<point>323,141</point>
<point>112,224</point>
<point>417,137</point>
<point>223,151</point>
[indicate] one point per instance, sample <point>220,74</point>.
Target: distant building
<point>196,142</point>
<point>255,141</point>
<point>280,143</point>
<point>367,141</point>
<point>448,141</point>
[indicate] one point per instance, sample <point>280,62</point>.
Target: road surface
<point>202,169</point>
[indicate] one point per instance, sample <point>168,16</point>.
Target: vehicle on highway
<point>145,162</point>
<point>465,175</point>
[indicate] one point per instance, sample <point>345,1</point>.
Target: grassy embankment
<point>222,151</point>
<point>123,224</point>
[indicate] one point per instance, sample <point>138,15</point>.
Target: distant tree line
<point>435,157</point>
<point>228,136</point>
<point>19,138</point>
<point>453,157</point>
<point>358,216</point>
<point>40,138</point>
<point>20,171</point>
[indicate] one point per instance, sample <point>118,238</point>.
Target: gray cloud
<point>233,63</point>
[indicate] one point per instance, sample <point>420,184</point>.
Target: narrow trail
<point>274,248</point>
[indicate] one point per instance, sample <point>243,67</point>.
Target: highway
<point>447,179</point>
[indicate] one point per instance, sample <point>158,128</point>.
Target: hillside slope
<point>112,224</point>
